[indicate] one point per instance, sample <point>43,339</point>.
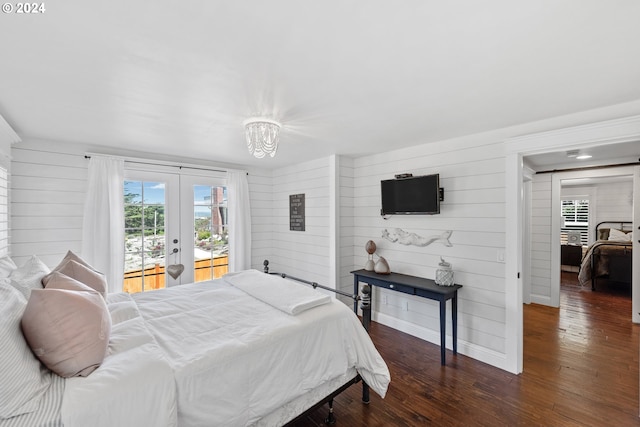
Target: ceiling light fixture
<point>262,136</point>
<point>583,156</point>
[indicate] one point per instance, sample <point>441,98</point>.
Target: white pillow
<point>24,380</point>
<point>6,266</point>
<point>619,235</point>
<point>29,276</point>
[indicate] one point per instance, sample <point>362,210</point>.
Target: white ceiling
<point>344,77</point>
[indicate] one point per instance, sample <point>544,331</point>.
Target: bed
<point>247,349</point>
<point>610,256</point>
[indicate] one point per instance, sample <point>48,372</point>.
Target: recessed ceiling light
<point>583,156</point>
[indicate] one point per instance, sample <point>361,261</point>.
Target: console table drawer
<point>399,288</point>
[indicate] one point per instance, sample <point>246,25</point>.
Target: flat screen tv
<point>416,195</point>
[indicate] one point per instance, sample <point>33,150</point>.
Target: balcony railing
<point>154,277</point>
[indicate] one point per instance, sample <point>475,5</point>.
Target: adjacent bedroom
<point>300,214</point>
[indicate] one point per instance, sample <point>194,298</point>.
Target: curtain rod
<point>162,163</point>
<point>589,168</point>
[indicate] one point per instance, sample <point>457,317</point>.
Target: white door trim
<point>596,134</point>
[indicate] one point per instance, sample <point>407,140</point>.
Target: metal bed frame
<point>616,262</point>
<point>365,305</point>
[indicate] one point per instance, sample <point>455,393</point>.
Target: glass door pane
<point>210,232</point>
<point>145,252</point>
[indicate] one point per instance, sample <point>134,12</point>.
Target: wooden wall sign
<point>296,212</point>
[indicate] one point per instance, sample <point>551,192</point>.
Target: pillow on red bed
<point>68,330</point>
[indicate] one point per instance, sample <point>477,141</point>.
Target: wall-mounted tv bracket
<point>403,175</point>
<point>441,191</point>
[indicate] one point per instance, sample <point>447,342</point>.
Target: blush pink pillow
<point>83,274</point>
<point>59,280</point>
<point>67,330</point>
<point>68,257</point>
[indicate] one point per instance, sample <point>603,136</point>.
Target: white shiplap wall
<point>304,254</point>
<point>261,200</point>
<point>8,137</point>
<point>472,175</point>
<point>48,186</point>
<point>47,197</point>
<point>541,239</point>
<point>347,227</point>
<point>614,201</point>
<point>4,211</point>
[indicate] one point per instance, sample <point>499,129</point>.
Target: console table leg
<point>454,321</point>
<point>443,331</point>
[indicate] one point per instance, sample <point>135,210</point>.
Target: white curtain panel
<point>239,221</point>
<point>103,223</point>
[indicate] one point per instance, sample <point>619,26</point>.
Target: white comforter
<point>234,359</point>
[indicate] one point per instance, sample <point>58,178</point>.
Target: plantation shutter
<point>575,214</point>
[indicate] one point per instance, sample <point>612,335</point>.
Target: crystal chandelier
<point>262,136</point>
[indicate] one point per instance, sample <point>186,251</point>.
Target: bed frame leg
<point>366,322</point>
<point>331,419</point>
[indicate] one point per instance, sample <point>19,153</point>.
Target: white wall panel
<point>4,211</point>
<point>472,175</point>
<point>47,199</point>
<point>541,239</point>
<point>304,254</point>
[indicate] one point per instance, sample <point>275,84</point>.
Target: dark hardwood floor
<point>580,369</point>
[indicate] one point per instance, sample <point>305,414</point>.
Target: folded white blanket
<point>283,294</point>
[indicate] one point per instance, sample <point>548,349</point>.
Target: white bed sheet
<point>133,387</point>
<point>237,359</point>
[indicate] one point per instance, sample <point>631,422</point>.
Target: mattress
<point>210,354</point>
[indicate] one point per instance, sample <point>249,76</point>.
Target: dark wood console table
<point>421,287</point>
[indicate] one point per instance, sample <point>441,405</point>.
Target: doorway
<point>604,134</point>
<point>176,227</point>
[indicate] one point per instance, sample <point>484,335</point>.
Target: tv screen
<point>418,195</point>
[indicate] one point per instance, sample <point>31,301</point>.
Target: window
<point>575,219</point>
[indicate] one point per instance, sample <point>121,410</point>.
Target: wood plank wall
<point>614,201</point>
<point>304,254</point>
<point>4,211</point>
<point>541,239</point>
<point>472,173</point>
<point>348,247</point>
<point>261,200</point>
<point>48,186</point>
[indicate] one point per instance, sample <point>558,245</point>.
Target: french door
<point>152,224</point>
<point>205,227</point>
<point>176,228</point>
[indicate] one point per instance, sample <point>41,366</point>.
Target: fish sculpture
<point>405,238</point>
